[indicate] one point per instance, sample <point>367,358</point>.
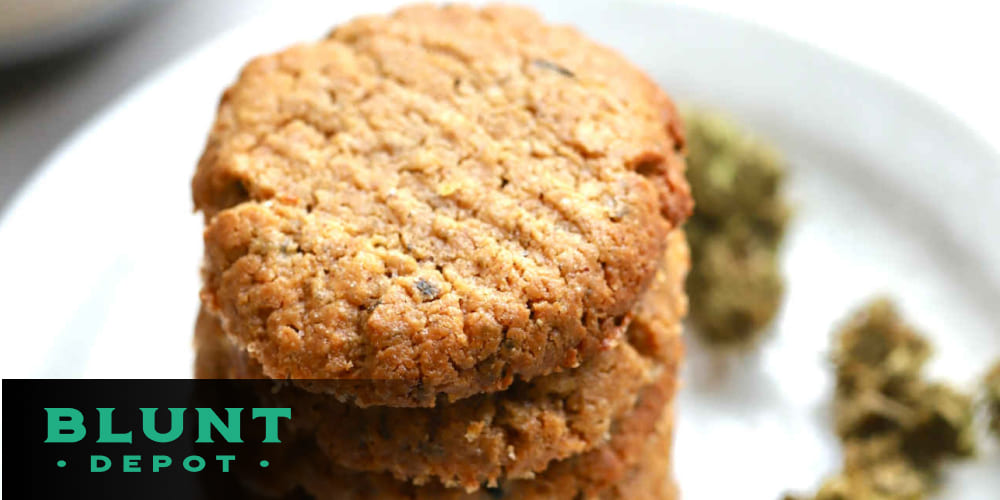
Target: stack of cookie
<point>456,232</point>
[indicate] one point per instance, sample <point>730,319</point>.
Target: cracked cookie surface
<point>481,439</point>
<point>445,199</point>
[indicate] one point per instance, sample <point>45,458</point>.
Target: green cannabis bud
<point>873,469</point>
<point>895,427</point>
<point>887,479</point>
<point>992,384</point>
<point>880,391</point>
<point>735,285</point>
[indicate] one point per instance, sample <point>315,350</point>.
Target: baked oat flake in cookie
<point>445,199</point>
<point>482,439</point>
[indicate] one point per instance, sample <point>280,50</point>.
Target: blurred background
<point>62,61</point>
<point>925,236</point>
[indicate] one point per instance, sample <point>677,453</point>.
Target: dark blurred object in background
<point>45,97</point>
<point>31,29</point>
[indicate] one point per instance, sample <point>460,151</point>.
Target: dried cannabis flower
<point>878,360</point>
<point>992,383</point>
<point>873,469</point>
<point>735,285</point>
<point>895,426</point>
<point>887,479</point>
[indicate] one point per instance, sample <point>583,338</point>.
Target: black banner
<point>145,439</point>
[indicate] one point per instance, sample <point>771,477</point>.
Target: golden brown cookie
<point>445,199</point>
<point>633,464</point>
<point>478,440</point>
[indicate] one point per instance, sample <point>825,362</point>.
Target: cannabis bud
<point>895,426</point>
<point>992,384</point>
<point>735,285</point>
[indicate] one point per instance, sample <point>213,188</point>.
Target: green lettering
<point>65,425</point>
<point>194,468</point>
<point>207,419</point>
<point>225,459</point>
<point>160,461</point>
<point>149,425</point>
<point>94,467</point>
<point>130,463</point>
<point>271,416</point>
<point>106,434</point>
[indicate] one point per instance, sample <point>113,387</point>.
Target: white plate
<point>99,254</point>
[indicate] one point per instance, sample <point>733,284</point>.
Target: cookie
<point>512,434</point>
<point>633,464</point>
<point>443,199</point>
